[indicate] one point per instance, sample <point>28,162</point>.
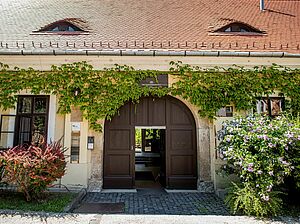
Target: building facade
<point>159,141</point>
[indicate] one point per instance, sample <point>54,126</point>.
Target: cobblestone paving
<point>163,203</point>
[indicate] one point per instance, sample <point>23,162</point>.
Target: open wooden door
<point>181,147</point>
<point>119,151</point>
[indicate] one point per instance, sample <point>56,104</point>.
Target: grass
<point>53,202</point>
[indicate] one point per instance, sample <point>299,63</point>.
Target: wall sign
<point>162,80</point>
<point>91,140</point>
<point>75,126</point>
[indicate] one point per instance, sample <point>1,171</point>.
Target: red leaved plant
<point>33,168</point>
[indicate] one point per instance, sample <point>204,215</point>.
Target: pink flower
<point>250,169</point>
<point>265,197</point>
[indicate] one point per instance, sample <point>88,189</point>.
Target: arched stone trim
<point>203,130</point>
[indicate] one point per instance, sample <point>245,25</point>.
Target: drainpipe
<point>262,5</point>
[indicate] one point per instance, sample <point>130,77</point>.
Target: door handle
<point>132,148</point>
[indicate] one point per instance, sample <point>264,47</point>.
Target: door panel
<point>182,140</point>
<point>182,182</point>
<point>140,112</point>
<point>179,115</point>
<point>118,151</point>
<point>121,119</point>
<point>182,165</point>
<point>157,111</point>
<point>122,168</point>
<point>181,147</point>
<point>119,139</point>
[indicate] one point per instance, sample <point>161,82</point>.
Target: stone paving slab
<point>163,203</point>
<point>137,219</point>
<point>111,208</point>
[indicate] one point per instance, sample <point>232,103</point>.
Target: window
<point>75,142</point>
<point>225,112</point>
<point>238,28</point>
<point>62,27</point>
<point>7,131</point>
<point>67,26</point>
<point>271,106</point>
<point>31,120</point>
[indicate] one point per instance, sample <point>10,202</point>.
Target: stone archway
<point>181,146</point>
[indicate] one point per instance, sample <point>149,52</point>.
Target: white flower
<point>265,197</point>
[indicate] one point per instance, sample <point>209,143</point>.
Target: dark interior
<point>150,160</point>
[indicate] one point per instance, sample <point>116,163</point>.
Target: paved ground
<point>188,207</point>
<point>155,202</point>
<point>135,219</point>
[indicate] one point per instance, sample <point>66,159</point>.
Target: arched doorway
<point>179,166</point>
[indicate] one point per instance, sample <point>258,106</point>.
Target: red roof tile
<point>152,24</point>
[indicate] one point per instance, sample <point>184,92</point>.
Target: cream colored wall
<point>95,180</point>
<point>219,181</point>
<point>44,62</point>
<point>77,174</point>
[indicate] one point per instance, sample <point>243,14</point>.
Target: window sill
<point>61,33</point>
<point>251,34</point>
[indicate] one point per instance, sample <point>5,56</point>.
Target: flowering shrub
<point>261,151</point>
<point>295,155</point>
<point>245,199</point>
<point>33,168</point>
<point>1,173</point>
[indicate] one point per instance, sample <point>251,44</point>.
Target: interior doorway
<point>150,157</point>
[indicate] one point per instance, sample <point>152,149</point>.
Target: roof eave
<point>153,52</point>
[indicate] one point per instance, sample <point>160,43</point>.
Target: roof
<point>151,24</point>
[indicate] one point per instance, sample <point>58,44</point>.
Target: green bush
<point>33,168</point>
<point>247,200</point>
<point>261,151</point>
<point>295,155</point>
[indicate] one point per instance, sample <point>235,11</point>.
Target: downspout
<point>262,5</point>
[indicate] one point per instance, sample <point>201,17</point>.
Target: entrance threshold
<point>181,191</point>
<point>118,191</point>
<point>148,189</point>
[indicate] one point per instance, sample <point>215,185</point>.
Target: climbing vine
<point>102,93</point>
<point>212,89</point>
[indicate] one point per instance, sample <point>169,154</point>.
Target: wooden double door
<point>180,140</point>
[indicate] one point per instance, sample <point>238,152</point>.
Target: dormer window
<point>62,27</point>
<point>238,28</point>
<point>71,26</point>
